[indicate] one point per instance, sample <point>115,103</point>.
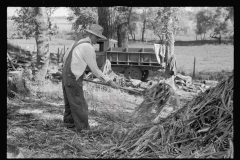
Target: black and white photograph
<point>120,82</point>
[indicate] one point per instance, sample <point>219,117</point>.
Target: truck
<point>134,63</point>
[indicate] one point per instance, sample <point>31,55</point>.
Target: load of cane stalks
<point>155,98</point>
<point>203,128</point>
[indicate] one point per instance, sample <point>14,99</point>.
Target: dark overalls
<point>76,108</point>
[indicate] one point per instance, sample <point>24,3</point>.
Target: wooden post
<point>64,50</point>
<point>194,64</point>
<point>58,56</point>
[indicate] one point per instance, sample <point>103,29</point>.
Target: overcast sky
<point>62,11</point>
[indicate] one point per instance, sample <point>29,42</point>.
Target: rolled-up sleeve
<point>89,57</point>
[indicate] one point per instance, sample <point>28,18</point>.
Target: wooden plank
<point>124,88</point>
<point>117,58</point>
<point>10,61</point>
<point>131,52</point>
<point>139,59</point>
<point>155,66</point>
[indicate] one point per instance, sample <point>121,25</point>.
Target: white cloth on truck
<point>163,49</point>
<point>157,48</point>
<point>160,51</point>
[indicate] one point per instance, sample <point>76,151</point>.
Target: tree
<point>82,17</point>
<point>169,18</point>
<point>160,23</point>
<point>106,19</point>
<point>133,26</point>
<point>204,21</point>
<point>35,22</point>
<point>133,29</point>
<point>217,20</point>
<point>223,23</point>
<point>55,29</point>
<point>122,22</point>
<point>42,41</point>
<point>25,21</point>
<point>119,20</point>
<point>185,25</point>
<point>146,16</point>
<point>157,27</point>
<point>230,13</point>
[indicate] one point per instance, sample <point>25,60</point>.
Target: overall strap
<point>76,44</point>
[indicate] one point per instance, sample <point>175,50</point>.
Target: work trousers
<point>76,108</point>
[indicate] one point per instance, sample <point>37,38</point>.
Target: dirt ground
<point>35,125</point>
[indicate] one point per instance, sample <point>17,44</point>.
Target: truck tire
<point>133,72</point>
<point>145,74</point>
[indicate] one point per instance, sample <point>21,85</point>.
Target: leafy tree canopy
<point>217,20</point>
<point>82,17</point>
<point>24,20</point>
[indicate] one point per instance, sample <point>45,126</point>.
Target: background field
<point>209,57</point>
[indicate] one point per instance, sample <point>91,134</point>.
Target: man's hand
<point>113,84</point>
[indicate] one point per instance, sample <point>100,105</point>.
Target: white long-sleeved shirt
<point>83,55</point>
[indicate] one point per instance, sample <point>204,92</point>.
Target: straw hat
<point>96,30</point>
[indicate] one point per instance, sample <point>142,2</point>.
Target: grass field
<point>209,58</point>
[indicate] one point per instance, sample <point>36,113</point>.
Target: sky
<point>62,11</point>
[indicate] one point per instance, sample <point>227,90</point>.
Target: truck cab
<point>103,46</point>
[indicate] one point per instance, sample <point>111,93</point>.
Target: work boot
<point>69,125</point>
<point>74,129</point>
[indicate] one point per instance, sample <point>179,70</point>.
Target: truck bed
<point>140,56</point>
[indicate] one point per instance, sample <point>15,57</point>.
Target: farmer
<point>75,61</point>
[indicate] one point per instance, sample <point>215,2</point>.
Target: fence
<point>57,58</point>
<point>23,53</point>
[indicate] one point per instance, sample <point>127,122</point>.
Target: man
<point>79,55</point>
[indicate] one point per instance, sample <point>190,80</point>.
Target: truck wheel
<point>145,74</point>
<point>133,72</point>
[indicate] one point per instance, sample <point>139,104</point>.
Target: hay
<point>201,129</point>
<point>155,98</point>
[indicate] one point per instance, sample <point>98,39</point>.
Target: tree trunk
<point>171,43</point>
<point>196,38</point>
<point>134,37</point>
<point>220,39</point>
<point>42,41</point>
<point>122,34</point>
<point>131,33</point>
<point>103,20</point>
<point>170,70</point>
<point>143,31</point>
<point>160,38</point>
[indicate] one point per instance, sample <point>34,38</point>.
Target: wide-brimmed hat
<point>96,30</point>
